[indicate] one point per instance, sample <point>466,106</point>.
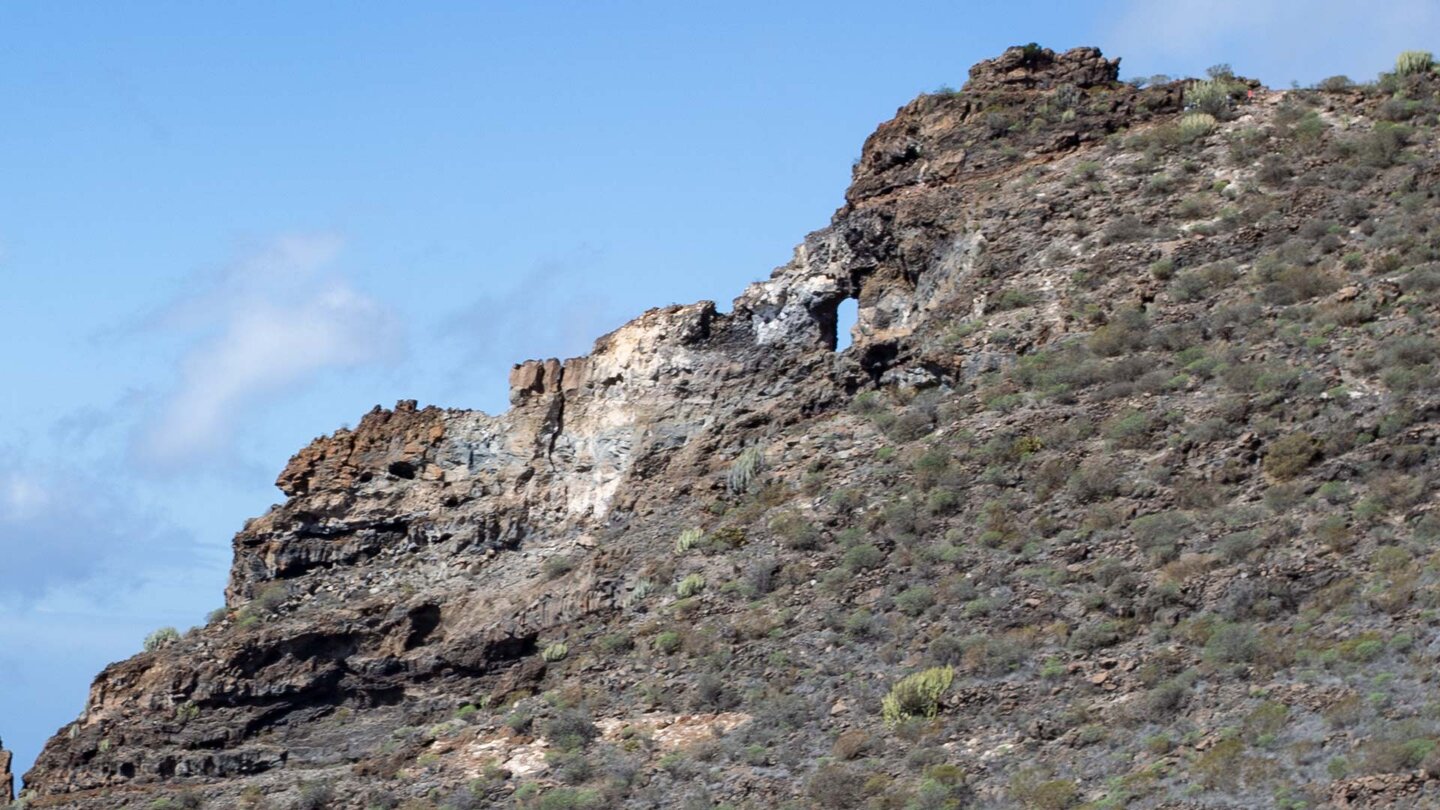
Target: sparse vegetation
<point>745,470</point>
<point>1410,63</point>
<point>163,637</point>
<point>917,695</point>
<point>690,586</point>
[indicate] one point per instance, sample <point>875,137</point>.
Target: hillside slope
<point>1131,465</point>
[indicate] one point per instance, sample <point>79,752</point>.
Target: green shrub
<point>1129,429</point>
<point>1290,455</point>
<point>1159,534</point>
<point>668,642</point>
<point>726,537</point>
<point>915,600</point>
<point>563,798</point>
<point>615,643</point>
<point>1385,145</point>
<point>1409,63</point>
<point>569,730</point>
<point>745,470</point>
<point>837,785</point>
<point>943,502</point>
<point>687,540</point>
<point>862,557</point>
<point>689,586</point>
<point>1095,636</point>
<point>638,592</point>
<point>1097,480</point>
<point>1232,644</point>
<point>184,801</point>
<point>1127,228</point>
<point>1210,96</point>
<point>917,695</point>
<point>1197,125</point>
<point>163,637</point>
<point>1126,333</point>
<point>1034,793</point>
<point>316,795</point>
<point>795,531</point>
<point>265,604</point>
<point>557,651</point>
<point>1195,206</point>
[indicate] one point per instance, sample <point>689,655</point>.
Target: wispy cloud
<point>555,310</point>
<point>260,328</point>
<point>1273,40</point>
<point>63,527</point>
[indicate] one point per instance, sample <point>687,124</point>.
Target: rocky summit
<point>1122,495</point>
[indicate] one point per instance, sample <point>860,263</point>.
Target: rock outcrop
<point>1097,446</point>
<point>1031,67</point>
<point>7,779</point>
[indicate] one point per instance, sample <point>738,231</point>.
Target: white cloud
<point>1272,40</point>
<point>23,497</point>
<point>554,310</point>
<point>63,527</point>
<point>260,328</point>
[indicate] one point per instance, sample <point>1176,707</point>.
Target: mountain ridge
<point>1108,353</point>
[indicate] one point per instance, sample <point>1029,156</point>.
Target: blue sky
<point>228,228</point>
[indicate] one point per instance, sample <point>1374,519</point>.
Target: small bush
<point>838,786</point>
<point>687,540</point>
<point>163,637</point>
<point>917,695</point>
<point>566,798</point>
<point>668,642</point>
<point>1130,429</point>
<point>558,651</point>
<point>1159,535</point>
<point>795,532</point>
<point>1385,145</point>
<point>1210,96</point>
<point>1032,792</point>
<point>745,471</point>
<point>915,600</point>
<point>1094,481</point>
<point>638,592</point>
<point>689,586</point>
<point>1410,63</point>
<point>316,795</point>
<point>1197,125</point>
<point>1126,333</point>
<point>1127,228</point>
<point>862,557</point>
<point>1290,455</point>
<point>569,730</point>
<point>265,604</point>
<point>1232,644</point>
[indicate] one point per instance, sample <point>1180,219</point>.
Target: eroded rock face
<point>1030,67</point>
<point>407,562</point>
<point>7,780</point>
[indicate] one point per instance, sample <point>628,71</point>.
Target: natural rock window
<point>846,316</point>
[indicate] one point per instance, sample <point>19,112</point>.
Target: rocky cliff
<point>7,780</point>
<point>1121,495</point>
